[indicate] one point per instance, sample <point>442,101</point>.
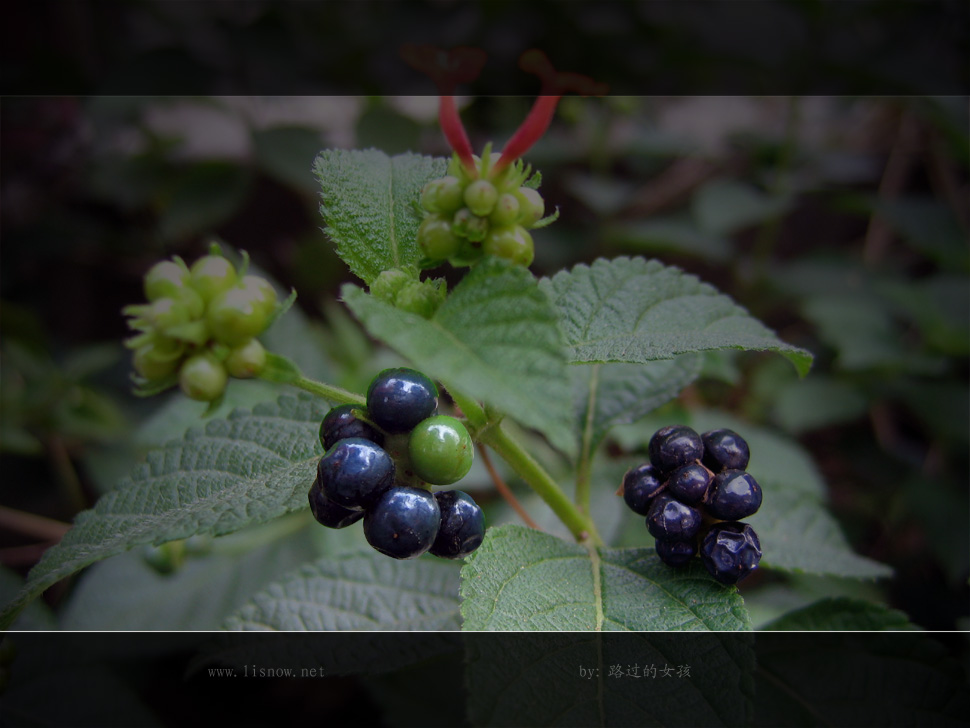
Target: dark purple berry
<point>674,446</point>
<point>398,399</point>
<point>404,523</point>
<point>689,484</point>
<point>671,520</point>
<point>734,495</point>
<point>329,513</point>
<point>676,553</point>
<point>462,525</point>
<point>731,551</point>
<point>355,472</point>
<point>640,486</point>
<point>725,450</point>
<point>341,423</point>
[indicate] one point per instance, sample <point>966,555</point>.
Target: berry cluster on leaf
<point>694,492</point>
<point>380,462</point>
<point>199,326</point>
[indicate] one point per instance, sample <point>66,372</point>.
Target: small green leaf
<point>368,203</point>
<point>357,592</point>
<point>495,339</point>
<point>634,310</point>
<point>841,614</point>
<point>522,579</point>
<point>279,369</point>
<point>248,468</point>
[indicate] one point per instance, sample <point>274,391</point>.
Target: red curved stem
<point>529,132</point>
<point>455,133</point>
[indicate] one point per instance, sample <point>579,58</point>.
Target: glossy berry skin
<point>506,211</point>
<point>462,526</point>
<point>676,553</point>
<point>329,513</point>
<point>640,486</point>
<point>403,523</point>
<point>673,447</point>
<point>355,473</point>
<point>734,495</point>
<point>398,399</point>
<point>480,197</point>
<point>531,206</point>
<point>671,520</point>
<point>725,450</point>
<point>341,423</point>
<point>440,450</point>
<point>731,551</point>
<point>690,483</point>
<point>236,316</point>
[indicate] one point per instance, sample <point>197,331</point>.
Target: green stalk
<point>334,394</point>
<point>540,481</point>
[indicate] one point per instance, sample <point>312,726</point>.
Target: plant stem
<point>504,489</point>
<point>334,394</point>
<point>540,481</point>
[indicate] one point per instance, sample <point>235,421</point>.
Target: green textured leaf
<point>799,534</point>
<point>522,579</point>
<point>629,679</point>
<point>369,205</point>
<point>860,680</point>
<point>617,394</point>
<point>841,614</point>
<point>125,593</point>
<point>357,592</point>
<point>634,310</point>
<point>495,338</point>
<point>248,468</point>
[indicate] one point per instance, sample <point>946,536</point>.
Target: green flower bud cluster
<point>199,326</point>
<point>403,289</point>
<point>467,218</point>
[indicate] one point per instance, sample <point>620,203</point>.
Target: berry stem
<point>504,490</point>
<point>542,483</point>
<point>328,392</point>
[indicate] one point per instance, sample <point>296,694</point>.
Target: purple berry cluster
<point>694,492</point>
<point>379,464</point>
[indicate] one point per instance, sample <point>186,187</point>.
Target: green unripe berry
<point>165,279</point>
<point>211,275</point>
<point>450,194</point>
<point>480,197</point>
<point>466,224</point>
<point>440,450</point>
<point>429,195</point>
<point>512,243</point>
<point>531,206</point>
<point>237,315</point>
<point>150,366</point>
<point>387,285</point>
<point>166,558</point>
<point>437,239</point>
<point>506,210</point>
<point>203,377</point>
<point>192,301</point>
<point>167,312</point>
<point>246,361</point>
<point>262,291</point>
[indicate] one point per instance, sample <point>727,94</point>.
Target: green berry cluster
<point>199,326</point>
<point>471,215</point>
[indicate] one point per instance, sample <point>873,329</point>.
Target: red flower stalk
<point>537,122</point>
<point>447,69</point>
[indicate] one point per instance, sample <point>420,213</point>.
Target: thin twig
<point>504,489</point>
<point>30,524</point>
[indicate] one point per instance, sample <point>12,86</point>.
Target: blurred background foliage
<point>839,220</point>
